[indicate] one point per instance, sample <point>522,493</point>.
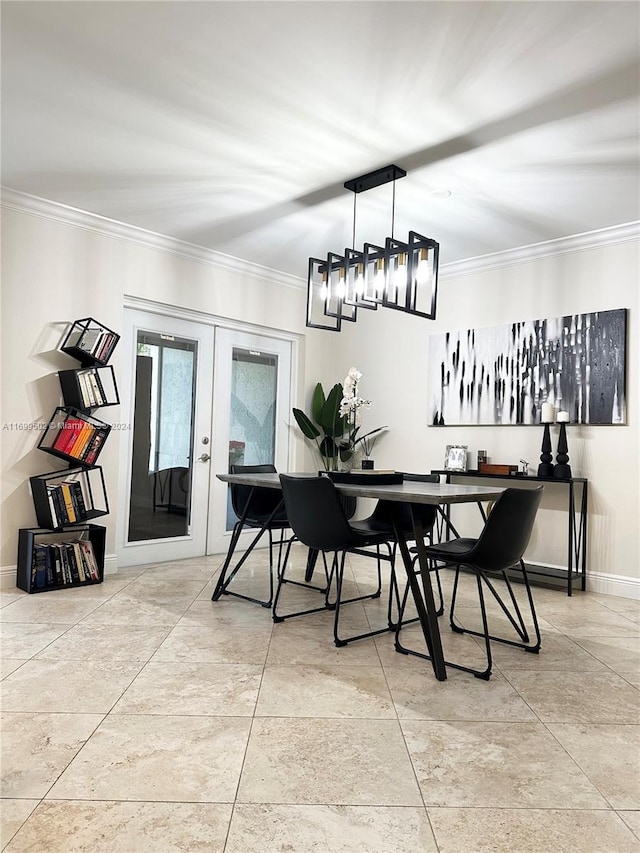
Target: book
<point>76,449</point>
<point>77,554</point>
<point>70,512</point>
<point>39,567</point>
<point>87,550</point>
<point>94,447</point>
<point>67,434</point>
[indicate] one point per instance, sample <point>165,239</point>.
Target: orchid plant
<point>334,423</point>
<point>350,407</point>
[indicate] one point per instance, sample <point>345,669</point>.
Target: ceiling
<point>233,125</point>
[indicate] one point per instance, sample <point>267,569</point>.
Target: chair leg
<point>342,641</point>
<point>520,628</point>
<point>282,579</point>
<point>478,673</point>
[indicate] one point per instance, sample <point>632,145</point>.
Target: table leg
<point>423,598</point>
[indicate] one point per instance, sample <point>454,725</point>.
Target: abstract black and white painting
<point>503,374</point>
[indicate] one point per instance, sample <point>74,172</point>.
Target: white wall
<point>57,267</point>
<point>391,350</point>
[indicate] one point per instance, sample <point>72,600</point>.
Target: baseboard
<point>622,585</point>
<point>8,573</point>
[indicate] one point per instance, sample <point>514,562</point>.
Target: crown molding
<point>36,206</point>
<point>624,233</point>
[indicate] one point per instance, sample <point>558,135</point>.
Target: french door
<point>195,399</point>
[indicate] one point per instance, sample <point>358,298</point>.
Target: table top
<point>409,491</point>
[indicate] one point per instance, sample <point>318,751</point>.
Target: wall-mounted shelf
<point>75,436</point>
<point>69,497</point>
<point>90,342</point>
<point>89,387</point>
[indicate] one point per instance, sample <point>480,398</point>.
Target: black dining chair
<point>318,520</point>
<point>255,507</point>
<point>497,550</point>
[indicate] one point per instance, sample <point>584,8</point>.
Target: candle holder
<point>545,468</point>
<point>562,469</point>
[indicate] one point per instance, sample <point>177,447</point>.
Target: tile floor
<point>138,716</point>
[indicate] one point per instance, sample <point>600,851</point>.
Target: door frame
<point>170,312</point>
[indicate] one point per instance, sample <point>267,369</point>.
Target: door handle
<point>204,458</point>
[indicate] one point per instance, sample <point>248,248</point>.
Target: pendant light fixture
<point>399,275</point>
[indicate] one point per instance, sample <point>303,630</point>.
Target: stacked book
<point>80,439</point>
<point>66,503</point>
<point>98,343</point>
<point>91,388</point>
<point>63,564</point>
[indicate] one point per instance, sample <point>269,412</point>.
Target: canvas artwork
<point>503,374</point>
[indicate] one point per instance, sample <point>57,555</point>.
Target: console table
<point>576,570</point>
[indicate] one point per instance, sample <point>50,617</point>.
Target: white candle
<point>563,417</point>
<point>548,412</point>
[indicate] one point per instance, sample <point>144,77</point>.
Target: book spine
<point>94,448</point>
<point>78,500</point>
<point>82,439</point>
<point>67,434</point>
<point>68,502</point>
<point>39,569</point>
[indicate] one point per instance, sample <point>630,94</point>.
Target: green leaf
<point>308,428</point>
<point>317,403</point>
<point>330,419</point>
<point>328,447</point>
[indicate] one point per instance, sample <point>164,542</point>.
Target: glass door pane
<point>160,496</point>
<point>252,417</point>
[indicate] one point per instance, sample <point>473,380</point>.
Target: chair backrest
<point>507,530</point>
<point>264,500</point>
<point>316,514</point>
<point>385,511</point>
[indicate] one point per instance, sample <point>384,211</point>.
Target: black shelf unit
<point>89,388</point>
<point>67,549</point>
<point>89,341</point>
<point>75,436</point>
<point>33,542</point>
<point>574,575</point>
<point>84,487</point>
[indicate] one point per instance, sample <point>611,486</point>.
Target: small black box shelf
<point>67,497</point>
<point>75,436</point>
<point>90,342</point>
<point>89,387</point>
<point>50,560</point>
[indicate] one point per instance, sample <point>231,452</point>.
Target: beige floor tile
<point>557,653</point>
<point>605,623</point>
<point>111,827</point>
<point>622,654</point>
<point>36,748</point>
<point>9,665</point>
<point>530,831</point>
<point>88,687</point>
<point>60,606</point>
<point>101,642</point>
<point>502,765</point>
<point>330,762</point>
<point>227,611</point>
<point>227,644</point>
<point>126,610</point>
<point>157,758</point>
<point>324,690</point>
<point>329,829</point>
<point>632,819</point>
<point>417,695</point>
<point>9,596</point>
<point>578,697</point>
<point>309,640</point>
<point>13,814</point>
<point>149,587</point>
<point>193,689</point>
<point>610,757</point>
<point>25,639</point>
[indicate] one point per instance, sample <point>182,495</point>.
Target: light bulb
<point>379,282</point>
<point>359,281</point>
<point>423,271</point>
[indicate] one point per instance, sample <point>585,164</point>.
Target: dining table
<point>411,492</point>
